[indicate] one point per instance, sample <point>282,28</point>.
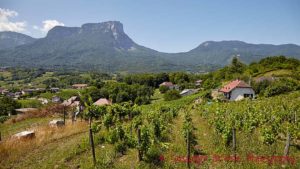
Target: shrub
<point>120,147</point>
<point>280,87</point>
<point>130,141</point>
<point>260,87</point>
<point>112,137</point>
<point>172,95</point>
<point>163,89</point>
<point>268,135</point>
<point>30,103</point>
<point>96,127</point>
<point>153,155</point>
<point>3,119</point>
<point>207,94</point>
<point>141,100</point>
<point>8,106</point>
<point>108,120</point>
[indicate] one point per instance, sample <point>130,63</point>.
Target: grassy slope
<point>275,73</point>
<point>51,148</point>
<point>38,82</point>
<point>10,129</point>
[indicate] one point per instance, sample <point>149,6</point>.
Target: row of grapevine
<point>124,126</point>
<point>274,118</point>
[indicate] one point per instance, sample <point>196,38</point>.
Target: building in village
<point>73,101</point>
<point>3,91</point>
<point>187,92</point>
<point>170,85</point>
<point>79,86</point>
<point>198,83</point>
<point>237,90</point>
<point>54,89</point>
<point>27,91</point>
<point>102,102</point>
<point>56,99</point>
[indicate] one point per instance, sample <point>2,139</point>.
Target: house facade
<point>56,99</point>
<point>198,83</point>
<point>170,85</point>
<point>237,90</point>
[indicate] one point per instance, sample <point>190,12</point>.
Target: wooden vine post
<point>287,144</point>
<point>64,111</point>
<point>92,141</point>
<point>139,144</point>
<point>188,150</point>
<point>234,143</point>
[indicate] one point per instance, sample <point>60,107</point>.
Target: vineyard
<point>167,134</point>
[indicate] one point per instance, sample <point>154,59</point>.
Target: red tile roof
<point>102,102</point>
<point>167,84</point>
<point>234,84</point>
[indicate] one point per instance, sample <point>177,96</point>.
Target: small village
<point>234,91</point>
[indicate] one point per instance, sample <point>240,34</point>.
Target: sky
<point>164,25</point>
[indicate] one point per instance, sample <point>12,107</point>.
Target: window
<point>248,95</point>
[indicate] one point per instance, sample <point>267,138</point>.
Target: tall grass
<point>13,149</point>
<point>48,111</point>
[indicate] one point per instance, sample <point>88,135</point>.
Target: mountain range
<point>106,47</point>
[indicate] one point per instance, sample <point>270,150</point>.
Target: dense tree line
<point>120,92</point>
<point>152,80</point>
<point>26,74</point>
<point>183,79</point>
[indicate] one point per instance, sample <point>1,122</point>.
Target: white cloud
<point>7,25</point>
<point>35,27</point>
<point>47,25</point>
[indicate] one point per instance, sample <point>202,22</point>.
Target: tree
<point>237,66</point>
<point>163,89</point>
<point>172,95</point>
<point>8,106</point>
<point>189,136</point>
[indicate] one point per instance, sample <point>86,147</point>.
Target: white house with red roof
<point>237,90</point>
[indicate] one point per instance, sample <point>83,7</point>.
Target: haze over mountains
<point>106,47</point>
<point>10,40</point>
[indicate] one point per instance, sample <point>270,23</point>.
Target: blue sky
<point>164,25</point>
